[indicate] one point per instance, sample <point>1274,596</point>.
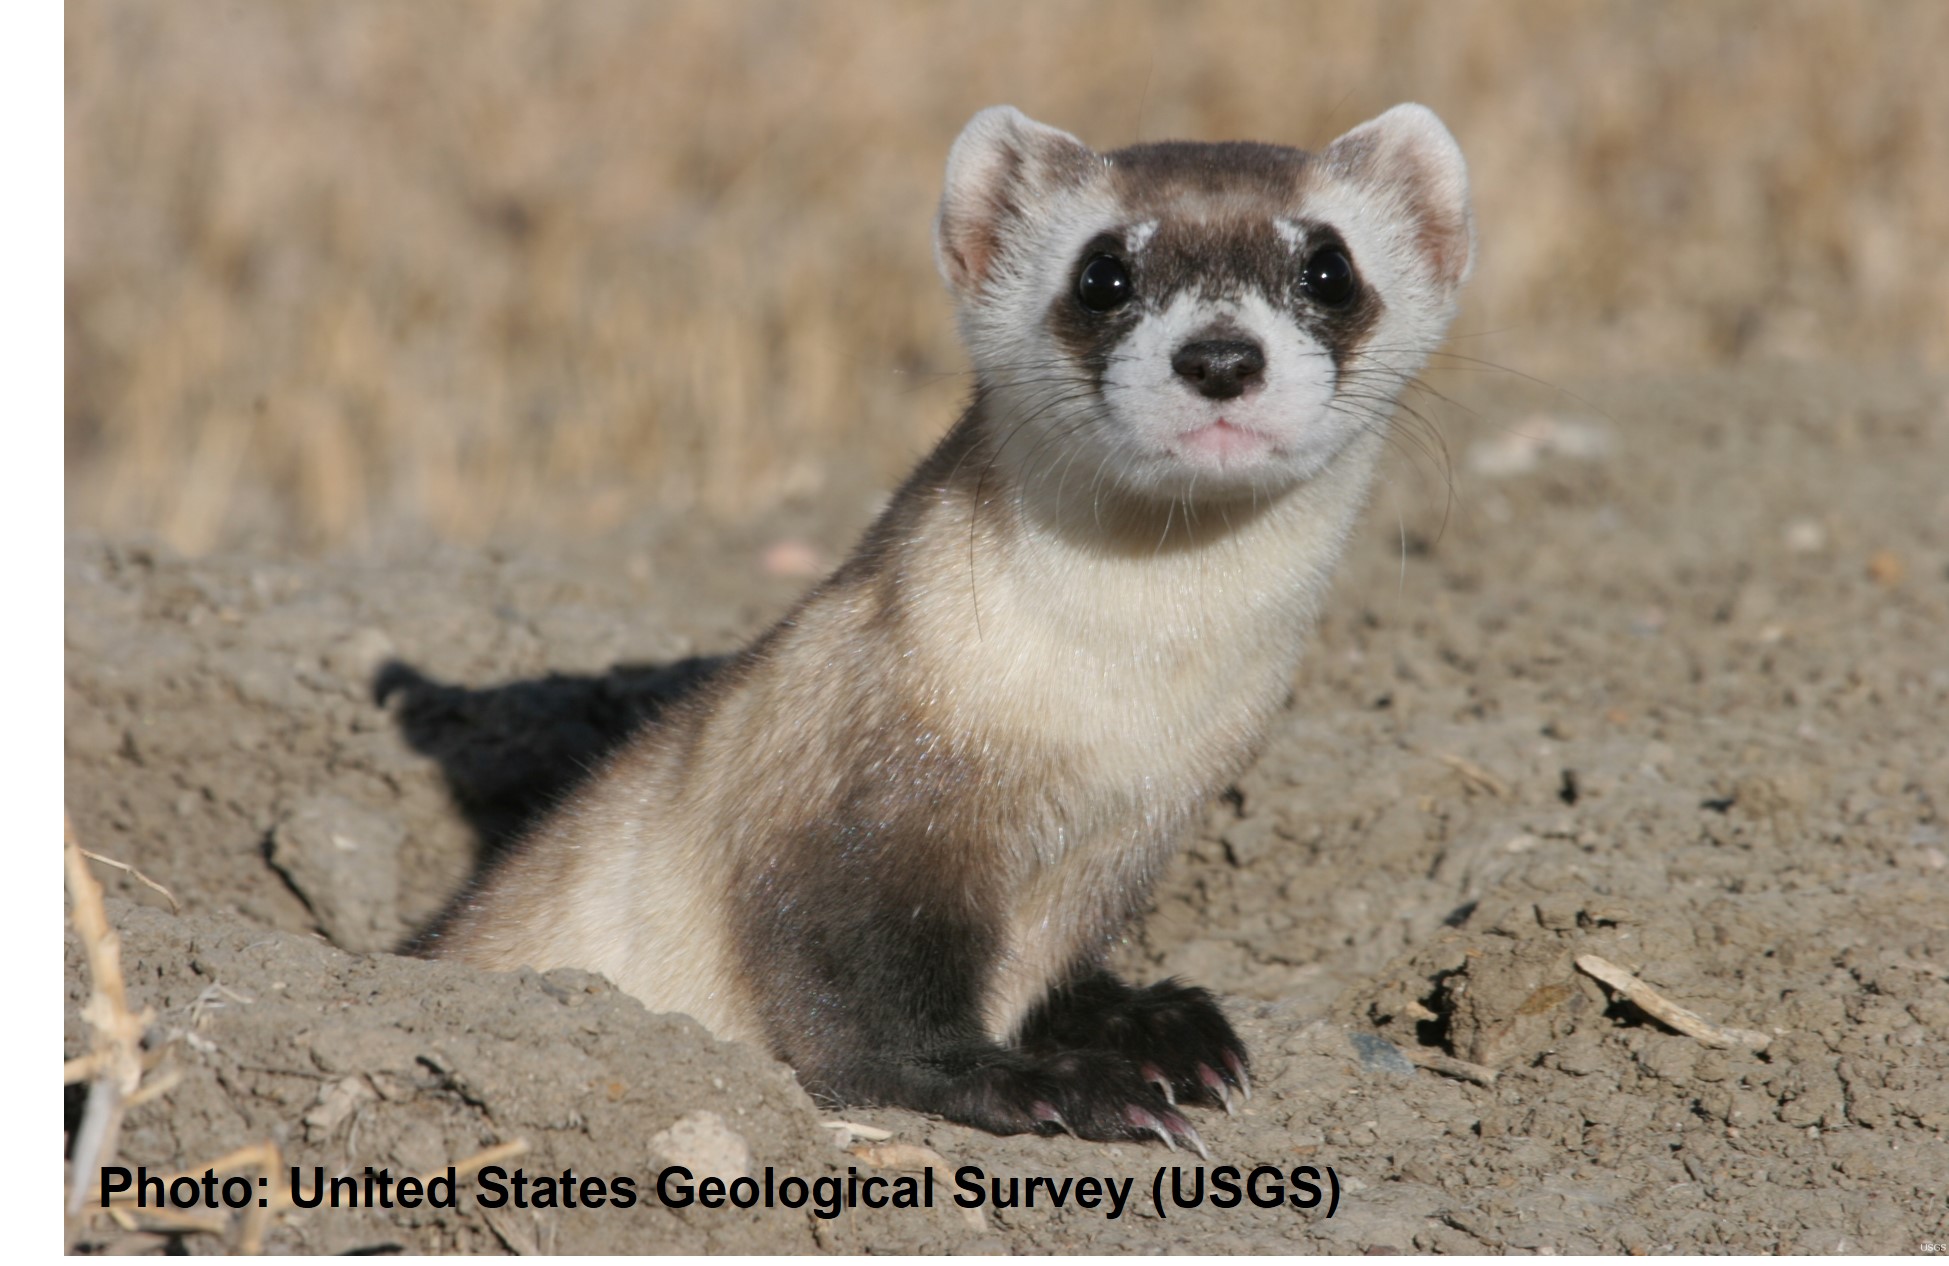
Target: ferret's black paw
<point>1094,1095</point>
<point>1183,1043</point>
<point>1175,1034</point>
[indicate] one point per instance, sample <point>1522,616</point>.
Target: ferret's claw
<point>1236,1067</point>
<point>1046,1112</point>
<point>1143,1119</point>
<point>1217,1085</point>
<point>1155,1076</point>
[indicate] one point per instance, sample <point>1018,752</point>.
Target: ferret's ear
<point>1407,154</point>
<point>1002,164</point>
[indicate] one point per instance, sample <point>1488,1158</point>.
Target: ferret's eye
<point>1328,277</point>
<point>1103,285</point>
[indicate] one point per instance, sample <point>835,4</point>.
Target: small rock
<point>1558,912</point>
<point>1886,569</point>
<point>1805,536</point>
<point>1249,839</point>
<point>337,1101</point>
<point>703,1143</point>
<point>1380,1055</point>
<point>342,858</point>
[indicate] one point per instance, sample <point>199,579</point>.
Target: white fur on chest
<point>1133,659</point>
<point>1150,665</point>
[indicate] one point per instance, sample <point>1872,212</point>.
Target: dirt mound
<point>1664,683</point>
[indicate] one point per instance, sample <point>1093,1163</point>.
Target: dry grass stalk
<point>480,1160</point>
<point>174,1221</point>
<point>175,907</point>
<point>847,1131</point>
<point>115,1064</point>
<point>1449,1066</point>
<point>911,1157</point>
<point>1475,775</point>
<point>1667,1012</point>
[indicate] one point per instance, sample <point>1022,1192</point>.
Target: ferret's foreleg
<point>873,991</point>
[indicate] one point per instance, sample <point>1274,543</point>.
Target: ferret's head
<point>1193,320</point>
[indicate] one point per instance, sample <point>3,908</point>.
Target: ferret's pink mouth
<point>1225,443</point>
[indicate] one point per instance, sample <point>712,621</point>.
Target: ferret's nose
<point>1220,368</point>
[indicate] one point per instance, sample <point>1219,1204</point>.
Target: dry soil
<point>1663,680</point>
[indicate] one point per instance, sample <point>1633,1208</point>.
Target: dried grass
<point>338,269</point>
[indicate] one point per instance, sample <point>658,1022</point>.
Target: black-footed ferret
<point>894,839</point>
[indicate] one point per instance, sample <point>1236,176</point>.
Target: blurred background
<point>349,273</point>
